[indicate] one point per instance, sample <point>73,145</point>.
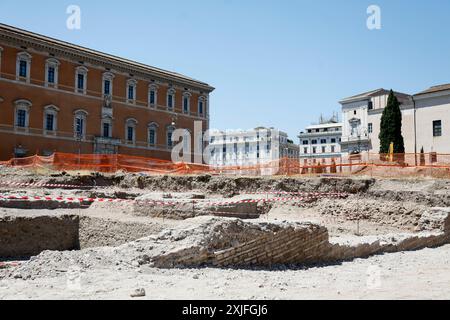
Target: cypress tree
<point>391,126</point>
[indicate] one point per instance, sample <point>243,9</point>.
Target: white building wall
<point>330,147</point>
<point>429,109</point>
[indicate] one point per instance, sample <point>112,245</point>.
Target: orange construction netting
<point>430,164</point>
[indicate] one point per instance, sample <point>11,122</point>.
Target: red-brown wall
<point>68,101</point>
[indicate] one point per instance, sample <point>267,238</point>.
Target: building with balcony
<point>361,118</point>
<point>57,96</point>
<point>321,140</point>
<point>249,147</point>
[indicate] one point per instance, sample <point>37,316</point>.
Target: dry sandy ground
<point>423,274</point>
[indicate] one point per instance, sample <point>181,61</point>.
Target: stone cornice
<point>72,52</point>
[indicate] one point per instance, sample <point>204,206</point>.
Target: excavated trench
<point>402,205</point>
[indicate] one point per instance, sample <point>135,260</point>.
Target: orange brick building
<point>56,96</point>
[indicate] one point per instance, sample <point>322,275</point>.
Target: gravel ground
<point>423,274</point>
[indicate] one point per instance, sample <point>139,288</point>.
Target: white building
<point>321,140</point>
<point>431,120</point>
<point>249,147</point>
<point>361,117</point>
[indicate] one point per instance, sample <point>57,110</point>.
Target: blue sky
<point>273,63</point>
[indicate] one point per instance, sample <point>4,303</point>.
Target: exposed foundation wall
<point>307,243</point>
<point>24,236</point>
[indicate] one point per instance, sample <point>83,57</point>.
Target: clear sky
<point>273,63</point>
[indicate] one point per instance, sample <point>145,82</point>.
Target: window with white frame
<point>169,135</point>
<point>171,99</point>
<point>186,102</point>
<point>131,91</point>
<point>50,124</point>
<point>23,66</point>
<point>22,113</point>
<point>107,84</point>
<point>152,95</point>
<point>130,130</point>
<point>79,124</point>
<point>81,80</point>
<point>51,73</point>
<point>106,127</point>
<point>152,133</point>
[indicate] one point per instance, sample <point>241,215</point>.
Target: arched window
<point>186,102</point>
<point>81,79</point>
<point>171,99</point>
<point>131,91</point>
<point>79,123</point>
<point>169,134</point>
<point>130,130</point>
<point>51,73</point>
<point>152,95</point>
<point>23,66</point>
<point>22,114</point>
<point>50,124</point>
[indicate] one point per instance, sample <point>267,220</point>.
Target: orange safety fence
<point>407,164</point>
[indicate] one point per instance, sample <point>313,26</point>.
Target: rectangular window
<point>200,107</point>
<point>170,101</point>
<point>437,128</point>
<point>152,97</point>
<point>313,141</point>
<point>332,149</point>
<point>333,140</point>
<point>305,142</point>
<point>247,147</point>
<point>370,105</point>
<point>130,92</point>
<point>169,139</point>
<point>323,141</point>
<point>51,75</point>
<point>80,82</point>
<point>107,89</point>
<point>49,122</point>
<point>130,133</point>
<point>185,105</point>
<point>106,130</point>
<point>79,126</point>
<point>305,150</point>
<point>324,149</point>
<point>23,68</point>
<point>314,150</point>
<point>21,118</point>
<point>151,136</point>
<point>370,127</point>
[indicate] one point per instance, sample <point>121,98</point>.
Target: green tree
<point>391,126</point>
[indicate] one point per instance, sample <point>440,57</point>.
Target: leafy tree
<point>391,126</point>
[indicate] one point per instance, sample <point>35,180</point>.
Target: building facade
<point>56,96</point>
<point>321,140</point>
<point>361,117</point>
<point>250,147</point>
<point>431,114</point>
